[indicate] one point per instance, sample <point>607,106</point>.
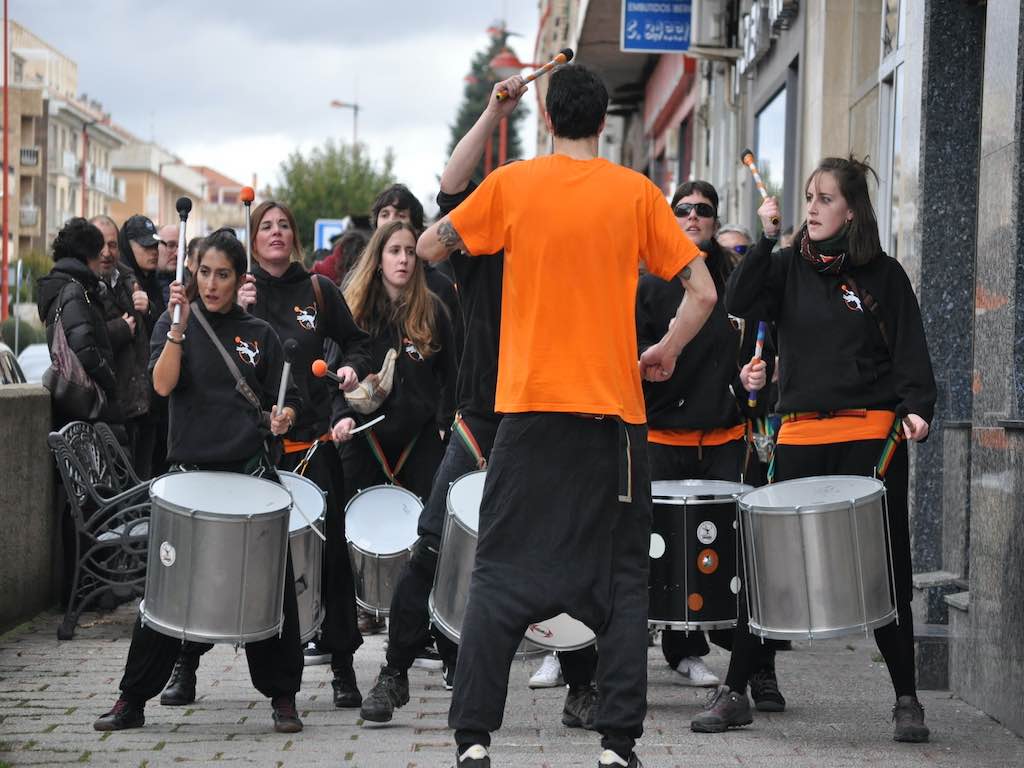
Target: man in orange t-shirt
<point>565,519</point>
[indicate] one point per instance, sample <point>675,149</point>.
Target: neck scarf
<point>827,256</point>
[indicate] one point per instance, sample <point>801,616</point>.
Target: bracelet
<point>174,340</point>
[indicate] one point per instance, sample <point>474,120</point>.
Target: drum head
<point>561,633</point>
<point>220,493</point>
<point>308,500</point>
<point>705,490</point>
<point>464,496</point>
<point>383,519</point>
<point>813,493</point>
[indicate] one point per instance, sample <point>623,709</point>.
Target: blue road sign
<point>652,27</point>
<point>325,229</point>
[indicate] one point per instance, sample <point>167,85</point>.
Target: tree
<point>479,83</point>
<point>333,181</point>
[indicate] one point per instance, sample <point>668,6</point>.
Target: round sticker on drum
<point>735,585</point>
<point>167,554</point>
<point>657,546</point>
<point>707,532</point>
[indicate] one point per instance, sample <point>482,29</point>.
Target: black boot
<point>908,716</point>
<point>124,715</point>
<point>286,717</point>
<point>389,692</point>
<point>181,689</point>
<point>346,692</point>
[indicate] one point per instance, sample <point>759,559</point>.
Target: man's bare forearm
<point>695,308</point>
<point>467,154</point>
<point>439,241</point>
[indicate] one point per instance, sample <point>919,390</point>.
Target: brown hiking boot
<point>725,709</point>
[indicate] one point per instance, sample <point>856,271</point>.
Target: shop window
<point>771,143</point>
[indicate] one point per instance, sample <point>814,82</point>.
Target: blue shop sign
<point>652,27</point>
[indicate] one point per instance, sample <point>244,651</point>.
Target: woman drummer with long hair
<point>214,427</point>
<point>388,295</point>
<point>855,381</point>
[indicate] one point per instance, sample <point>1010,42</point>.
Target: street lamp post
<point>355,117</point>
<point>504,65</point>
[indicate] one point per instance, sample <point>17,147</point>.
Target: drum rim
<point>702,498</point>
<point>391,486</point>
<point>816,508</point>
<point>164,628</point>
<point>827,633</point>
<point>321,518</point>
<point>159,502</point>
<point>450,512</point>
<point>691,626</point>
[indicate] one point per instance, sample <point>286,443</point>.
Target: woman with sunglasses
<point>697,419</point>
<point>855,382</point>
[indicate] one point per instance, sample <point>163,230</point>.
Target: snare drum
<point>448,598</point>
<point>218,544</point>
<point>381,528</point>
<point>694,581</point>
<point>817,557</point>
<point>307,548</point>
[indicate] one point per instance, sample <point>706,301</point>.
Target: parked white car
<point>34,360</point>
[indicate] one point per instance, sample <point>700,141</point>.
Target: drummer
<point>856,381</point>
<point>215,427</point>
<point>697,420</point>
<point>308,310</point>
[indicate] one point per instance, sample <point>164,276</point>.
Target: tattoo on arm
<point>685,274</point>
<point>447,235</point>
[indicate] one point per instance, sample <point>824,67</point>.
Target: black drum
<point>694,582</point>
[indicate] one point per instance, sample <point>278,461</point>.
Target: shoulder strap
<point>240,383</point>
<point>869,301</point>
<point>318,291</point>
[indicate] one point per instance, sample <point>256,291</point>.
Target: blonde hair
<point>413,311</point>
<point>259,212</point>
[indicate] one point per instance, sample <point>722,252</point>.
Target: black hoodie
<point>210,421</point>
<point>82,318</point>
<point>704,391</point>
<point>290,305</point>
<point>832,355</point>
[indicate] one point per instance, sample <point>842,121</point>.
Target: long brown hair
<point>851,177</point>
<point>412,312</point>
<point>254,227</point>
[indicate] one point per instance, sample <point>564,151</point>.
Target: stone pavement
<point>838,716</point>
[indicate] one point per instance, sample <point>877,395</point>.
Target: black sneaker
<point>346,692</point>
<point>908,715</point>
<point>181,689</point>
<point>286,717</point>
<point>449,676</point>
<point>764,690</point>
<point>580,705</point>
<point>313,655</point>
<point>123,715</point>
<point>389,692</point>
<point>610,758</point>
<point>474,757</point>
<point>725,709</point>
<point>427,658</point>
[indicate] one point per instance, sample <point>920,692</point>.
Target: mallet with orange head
<point>748,160</point>
<point>247,195</point>
<point>564,56</point>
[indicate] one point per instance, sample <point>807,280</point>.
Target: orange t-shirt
<point>574,233</point>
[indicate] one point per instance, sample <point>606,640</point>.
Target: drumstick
<point>367,425</point>
<point>184,207</point>
<point>247,195</point>
<point>564,55</point>
<point>290,348</point>
<point>321,371</point>
<point>748,160</point>
<point>762,330</point>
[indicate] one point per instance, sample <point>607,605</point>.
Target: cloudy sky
<point>238,85</point>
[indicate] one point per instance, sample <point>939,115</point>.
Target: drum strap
<point>391,473</point>
<point>892,442</point>
<point>466,437</point>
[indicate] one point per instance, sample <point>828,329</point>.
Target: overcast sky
<point>238,85</point>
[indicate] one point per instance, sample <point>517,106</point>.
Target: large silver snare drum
<point>307,550</point>
<point>817,557</point>
<point>381,528</point>
<point>448,598</point>
<point>217,553</point>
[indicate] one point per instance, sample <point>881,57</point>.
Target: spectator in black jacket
<point>72,290</point>
<point>125,305</point>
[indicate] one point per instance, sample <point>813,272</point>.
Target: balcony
<point>103,181</point>
<point>28,217</point>
<point>65,163</point>
<point>29,157</point>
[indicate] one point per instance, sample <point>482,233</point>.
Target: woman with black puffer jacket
<point>71,291</point>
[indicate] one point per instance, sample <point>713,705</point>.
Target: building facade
<point>154,179</point>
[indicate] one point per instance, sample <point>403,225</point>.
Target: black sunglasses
<point>705,211</point>
<point>741,249</point>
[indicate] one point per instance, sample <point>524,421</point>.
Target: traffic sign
<point>324,230</point>
<point>653,27</point>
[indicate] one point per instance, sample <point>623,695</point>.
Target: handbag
<point>75,394</point>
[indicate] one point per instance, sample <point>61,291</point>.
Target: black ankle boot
<point>346,692</point>
<point>181,689</point>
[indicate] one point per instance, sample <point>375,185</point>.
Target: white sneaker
<point>695,672</point>
<point>549,675</point>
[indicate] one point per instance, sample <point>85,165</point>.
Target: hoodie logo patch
<point>851,299</point>
<point>248,351</point>
<point>306,317</point>
<point>412,351</point>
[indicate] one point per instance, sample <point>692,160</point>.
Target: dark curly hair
<point>78,239</point>
<point>401,199</point>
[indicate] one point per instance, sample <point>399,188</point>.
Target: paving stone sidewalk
<point>838,715</point>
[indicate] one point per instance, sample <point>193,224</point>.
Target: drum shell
<point>226,582</point>
<point>307,550</point>
<point>817,571</point>
<point>675,575</point>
